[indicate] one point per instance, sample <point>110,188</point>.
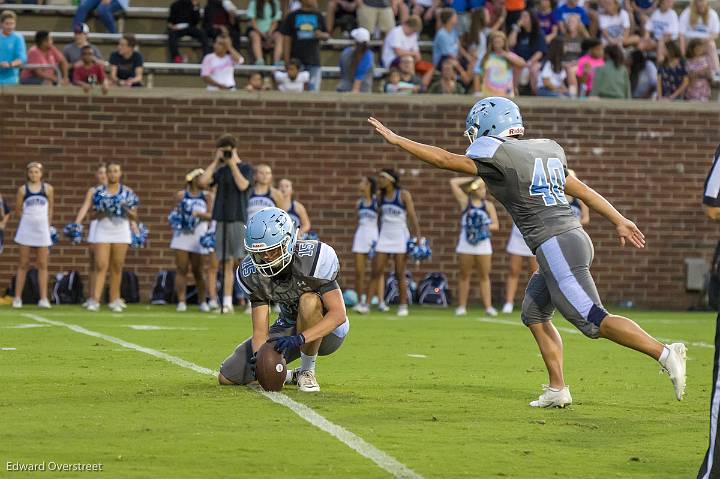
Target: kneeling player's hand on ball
<point>627,231</point>
<point>284,343</point>
<point>386,132</point>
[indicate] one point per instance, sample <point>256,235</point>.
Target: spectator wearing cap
<point>73,51</point>
<point>106,10</point>
<point>88,73</point>
<point>126,64</point>
<point>376,13</point>
<point>183,22</point>
<point>302,32</point>
<point>12,49</point>
<point>45,53</point>
<point>357,64</point>
<point>218,67</point>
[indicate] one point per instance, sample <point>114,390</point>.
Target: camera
<point>227,154</point>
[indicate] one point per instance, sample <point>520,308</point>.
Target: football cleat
<point>361,308</point>
<point>675,367</point>
<point>307,383</point>
<point>553,397</point>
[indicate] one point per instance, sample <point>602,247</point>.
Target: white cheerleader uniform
<point>516,244</point>
<point>394,233</point>
<point>34,227</point>
<point>366,233</point>
<point>483,247</point>
<point>113,229</point>
<point>257,202</point>
<point>190,240</point>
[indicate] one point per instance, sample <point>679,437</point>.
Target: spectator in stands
<point>427,9</point>
<point>45,53</point>
<point>126,64</point>
<point>73,52</point>
<point>662,25</point>
<point>218,67</point>
<point>699,71</point>
<point>376,13</point>
<point>407,79</point>
<point>12,49</point>
<point>553,78</point>
<point>702,22</point>
<point>588,63</point>
<point>494,72</point>
<point>573,38</point>
<point>514,9</point>
<point>106,10</point>
<point>183,22</point>
<point>302,31</point>
<point>395,85</point>
<point>342,14</point>
<point>220,18</point>
<point>643,75</point>
<point>611,80</point>
<point>402,40</point>
<point>641,10</point>
<point>569,8</point>
<point>257,82</point>
<point>615,26</point>
<point>528,42</point>
<point>547,21</point>
<point>672,79</point>
<point>447,39</point>
<point>265,16</point>
<point>474,41</point>
<point>448,84</point>
<point>89,73</point>
<point>495,15</point>
<point>357,64</point>
<point>292,79</point>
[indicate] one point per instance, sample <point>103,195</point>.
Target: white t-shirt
<point>556,79</point>
<point>396,38</point>
<point>284,83</point>
<point>700,29</point>
<point>220,69</point>
<point>614,24</point>
<point>661,23</point>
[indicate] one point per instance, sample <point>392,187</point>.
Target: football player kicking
<point>301,277</point>
<point>530,178</point>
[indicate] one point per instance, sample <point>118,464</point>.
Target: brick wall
<point>648,159</point>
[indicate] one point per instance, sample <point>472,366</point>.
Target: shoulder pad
<point>483,147</point>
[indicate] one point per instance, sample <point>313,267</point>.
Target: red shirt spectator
<point>44,53</point>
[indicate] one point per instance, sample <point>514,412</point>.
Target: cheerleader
<point>101,177</point>
<point>518,250</point>
<point>194,213</point>
<point>297,210</point>
<point>366,236</point>
<point>474,250</point>
<point>115,207</point>
<point>396,207</point>
<point>263,194</point>
<point>34,207</point>
<point>211,267</point>
<point>580,209</point>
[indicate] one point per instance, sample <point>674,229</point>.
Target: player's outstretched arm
<point>433,155</point>
<point>626,229</point>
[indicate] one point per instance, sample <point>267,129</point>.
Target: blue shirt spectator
<point>357,64</point>
<point>12,50</point>
<point>447,39</point>
<point>571,7</point>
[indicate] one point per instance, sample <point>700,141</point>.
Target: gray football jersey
<point>314,268</point>
<point>528,178</point>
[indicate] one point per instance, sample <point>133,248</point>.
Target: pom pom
<point>54,237</point>
<point>73,231</point>
<point>419,250</point>
<point>476,225</point>
<point>208,241</point>
<point>139,239</point>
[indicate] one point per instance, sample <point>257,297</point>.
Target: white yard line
<point>357,444</point>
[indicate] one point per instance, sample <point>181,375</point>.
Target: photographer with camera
<point>233,179</point>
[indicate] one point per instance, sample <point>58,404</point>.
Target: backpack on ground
<point>434,290</point>
<point>31,290</point>
<point>392,289</point>
<point>129,288</point>
<point>68,288</point>
<point>164,290</point>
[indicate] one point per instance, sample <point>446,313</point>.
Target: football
<point>270,368</point>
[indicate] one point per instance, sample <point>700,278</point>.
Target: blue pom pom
<point>54,237</point>
<point>419,250</point>
<point>140,239</point>
<point>477,226</point>
<point>208,241</point>
<point>74,232</point>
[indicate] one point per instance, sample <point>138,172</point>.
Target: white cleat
<point>361,308</point>
<point>507,308</point>
<point>213,305</point>
<point>17,303</point>
<point>675,365</point>
<point>115,307</point>
<point>491,311</point>
<point>403,310</point>
<point>181,307</point>
<point>44,304</point>
<point>383,308</point>
<point>93,306</point>
<point>225,309</point>
<point>307,383</point>
<point>121,303</point>
<point>460,311</point>
<point>553,397</point>
<point>204,308</point>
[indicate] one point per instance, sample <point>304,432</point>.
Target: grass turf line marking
<point>419,356</point>
<point>8,349</point>
<point>357,444</point>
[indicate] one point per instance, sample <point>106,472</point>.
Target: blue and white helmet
<point>494,116</point>
<point>269,229</point>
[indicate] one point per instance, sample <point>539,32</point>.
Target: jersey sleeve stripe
<point>712,183</point>
<point>238,277</point>
<point>316,259</point>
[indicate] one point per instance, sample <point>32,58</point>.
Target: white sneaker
<point>94,307</point>
<point>181,307</point>
<point>204,307</point>
<point>675,367</point>
<point>403,310</point>
<point>460,311</point>
<point>213,305</point>
<point>225,309</point>
<point>361,308</point>
<point>383,308</point>
<point>17,303</point>
<point>507,308</point>
<point>307,383</point>
<point>85,304</point>
<point>115,307</point>
<point>491,311</point>
<point>44,304</point>
<point>121,303</point>
<point>553,397</point>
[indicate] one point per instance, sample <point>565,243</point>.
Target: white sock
<point>227,300</point>
<point>307,363</point>
<point>288,376</point>
<point>664,355</point>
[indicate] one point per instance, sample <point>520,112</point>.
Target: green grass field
<point>446,397</point>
